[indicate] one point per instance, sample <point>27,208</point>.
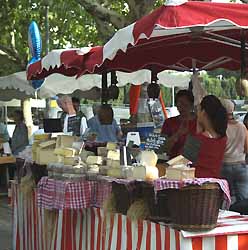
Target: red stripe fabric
<point>134,94</point>
<point>243,242</point>
<point>99,231</point>
<point>167,238</point>
<point>197,243</point>
<point>148,236</point>
<point>221,242</point>
<point>140,234</point>
<point>92,229</point>
<point>158,237</point>
<point>119,232</point>
<point>177,237</point>
<point>82,218</point>
<point>112,220</point>
<point>129,233</point>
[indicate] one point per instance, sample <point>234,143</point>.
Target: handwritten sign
<point>156,142</point>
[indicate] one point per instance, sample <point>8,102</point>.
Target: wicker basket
<point>195,208</point>
<point>123,198</point>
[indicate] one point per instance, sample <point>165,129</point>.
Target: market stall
<point>59,206</point>
<point>82,221</point>
<point>36,227</point>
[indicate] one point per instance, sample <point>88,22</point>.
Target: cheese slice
<point>66,152</point>
<point>113,155</point>
<point>46,156</point>
<point>47,144</point>
<point>91,160</point>
<point>70,161</point>
<point>111,146</point>
<point>114,172</point>
<point>65,141</point>
<point>40,137</point>
<point>178,160</point>
<point>93,169</point>
<point>180,173</point>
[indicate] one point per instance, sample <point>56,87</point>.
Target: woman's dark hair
<point>19,114</point>
<point>75,100</point>
<point>216,113</point>
<point>185,93</point>
<point>245,121</point>
<point>105,114</point>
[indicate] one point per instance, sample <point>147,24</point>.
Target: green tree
<point>221,85</point>
<point>74,23</point>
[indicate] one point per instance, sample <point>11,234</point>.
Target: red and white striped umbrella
<point>179,35</point>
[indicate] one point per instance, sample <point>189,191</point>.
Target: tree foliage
<point>74,23</point>
<point>79,23</point>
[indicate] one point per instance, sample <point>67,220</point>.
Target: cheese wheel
<point>148,158</point>
<point>148,173</point>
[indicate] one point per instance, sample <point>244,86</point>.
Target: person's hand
<point>92,137</point>
<point>183,129</point>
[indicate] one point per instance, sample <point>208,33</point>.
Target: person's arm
<point>172,140</point>
<point>83,125</point>
<point>119,133</point>
<point>246,142</point>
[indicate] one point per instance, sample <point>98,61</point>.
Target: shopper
<point>19,139</point>
<point>234,168</point>
<point>177,128</point>
<point>71,122</point>
<point>211,135</point>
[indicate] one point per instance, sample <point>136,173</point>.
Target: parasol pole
<point>104,94</point>
<point>243,55</point>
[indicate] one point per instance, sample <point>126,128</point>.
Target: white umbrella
<point>15,86</point>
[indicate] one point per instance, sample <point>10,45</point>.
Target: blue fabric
<point>237,177</point>
<point>105,133</point>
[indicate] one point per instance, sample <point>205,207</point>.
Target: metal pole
<point>48,100</point>
<point>173,96</point>
<point>47,27</point>
<point>243,54</point>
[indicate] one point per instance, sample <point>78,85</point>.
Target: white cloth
<point>198,90</point>
<point>83,125</point>
<point>236,136</point>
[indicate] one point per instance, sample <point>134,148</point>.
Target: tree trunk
<point>27,112</point>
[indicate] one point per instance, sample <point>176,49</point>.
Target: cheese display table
<point>90,228</point>
<point>4,163</point>
<point>7,159</point>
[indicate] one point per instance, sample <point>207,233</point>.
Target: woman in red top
<point>177,128</point>
<point>212,125</point>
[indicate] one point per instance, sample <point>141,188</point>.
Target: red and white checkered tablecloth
<point>161,184</point>
<point>57,194</point>
<point>92,228</point>
<point>103,190</point>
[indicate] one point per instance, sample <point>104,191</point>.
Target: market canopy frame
<point>179,35</point>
